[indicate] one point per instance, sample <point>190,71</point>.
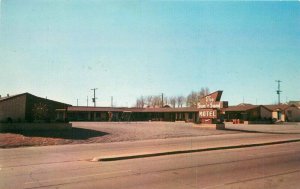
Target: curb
<point>116,158</point>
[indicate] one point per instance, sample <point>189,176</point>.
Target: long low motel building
<point>83,113</point>
<point>242,112</point>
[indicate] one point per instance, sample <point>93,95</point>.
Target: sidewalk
<point>95,152</point>
<point>292,128</point>
<point>198,145</point>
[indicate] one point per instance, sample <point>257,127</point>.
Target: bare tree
<point>193,97</point>
<point>140,102</point>
<point>156,101</point>
<point>149,100</point>
<point>166,101</point>
<point>203,92</point>
<point>180,100</point>
<point>173,101</point>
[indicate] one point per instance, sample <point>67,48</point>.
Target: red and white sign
<point>212,101</point>
<point>208,113</point>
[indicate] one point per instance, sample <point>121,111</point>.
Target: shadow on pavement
<point>265,132</point>
<point>73,133</point>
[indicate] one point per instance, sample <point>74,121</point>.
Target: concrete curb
<point>125,157</point>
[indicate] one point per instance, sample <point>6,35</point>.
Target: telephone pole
<point>111,101</point>
<point>87,100</point>
<point>94,99</point>
<point>278,90</point>
<point>162,99</point>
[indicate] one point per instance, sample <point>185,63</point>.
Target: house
<point>284,112</point>
<point>246,112</point>
<point>296,103</point>
<point>249,112</point>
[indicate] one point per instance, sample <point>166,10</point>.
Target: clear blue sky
<point>62,49</point>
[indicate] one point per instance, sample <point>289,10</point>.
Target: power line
<point>278,90</point>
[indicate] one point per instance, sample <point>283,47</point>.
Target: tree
<point>166,101</point>
<point>149,100</point>
<point>156,101</point>
<point>180,101</point>
<point>140,102</point>
<point>173,101</point>
<point>194,97</point>
<point>203,92</point>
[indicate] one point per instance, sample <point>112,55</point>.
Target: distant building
<point>284,112</point>
<point>26,107</point>
<point>296,103</point>
<point>249,112</point>
<point>246,112</point>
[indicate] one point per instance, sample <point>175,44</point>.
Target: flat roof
<point>125,109</point>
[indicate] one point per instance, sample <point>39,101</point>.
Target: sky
<point>126,49</point>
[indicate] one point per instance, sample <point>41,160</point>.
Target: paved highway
<point>274,166</point>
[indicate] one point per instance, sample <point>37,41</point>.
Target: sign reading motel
<point>209,107</point>
<point>208,113</point>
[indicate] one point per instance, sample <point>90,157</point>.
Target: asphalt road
<point>69,166</point>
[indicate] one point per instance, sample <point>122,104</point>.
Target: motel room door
<point>279,115</point>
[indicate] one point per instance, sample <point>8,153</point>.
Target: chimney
<point>7,95</point>
<point>0,96</point>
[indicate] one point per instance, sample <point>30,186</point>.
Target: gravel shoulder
<point>104,132</point>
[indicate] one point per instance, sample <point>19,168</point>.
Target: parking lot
<point>103,132</point>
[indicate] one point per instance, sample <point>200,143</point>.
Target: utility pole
<point>111,101</point>
<point>77,101</point>
<point>278,90</point>
<point>94,99</point>
<point>162,99</point>
<point>87,100</point>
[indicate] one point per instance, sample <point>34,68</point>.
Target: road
<point>70,166</point>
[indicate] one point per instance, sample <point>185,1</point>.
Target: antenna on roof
<point>278,90</point>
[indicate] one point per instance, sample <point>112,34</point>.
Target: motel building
<point>26,107</point>
<point>208,111</point>
<point>83,113</point>
<point>249,113</point>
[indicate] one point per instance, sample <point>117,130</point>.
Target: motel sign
<point>209,113</point>
<point>209,107</point>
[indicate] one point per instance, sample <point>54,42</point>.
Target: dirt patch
<point>100,132</point>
